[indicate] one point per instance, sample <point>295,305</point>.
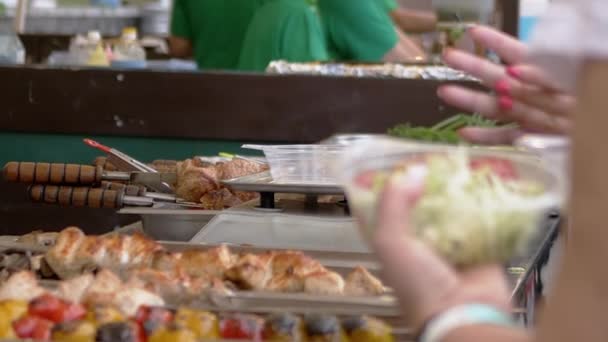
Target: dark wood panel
<point>210,105</point>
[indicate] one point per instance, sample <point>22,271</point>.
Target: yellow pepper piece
<point>173,335</point>
<point>6,328</point>
<point>10,310</point>
<point>203,324</point>
<point>373,331</point>
<point>75,332</point>
<point>14,309</point>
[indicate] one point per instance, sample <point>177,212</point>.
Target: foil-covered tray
<point>388,70</point>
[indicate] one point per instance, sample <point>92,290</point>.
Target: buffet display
<point>251,272</point>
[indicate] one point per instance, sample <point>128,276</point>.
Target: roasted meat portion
<point>238,168</point>
<point>200,182</point>
<point>194,181</point>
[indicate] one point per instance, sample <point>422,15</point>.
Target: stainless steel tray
<point>380,306</point>
<point>171,224</point>
<point>263,182</point>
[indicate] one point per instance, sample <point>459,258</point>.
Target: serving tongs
<point>124,162</point>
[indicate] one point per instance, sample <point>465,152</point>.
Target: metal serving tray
<point>171,224</point>
<point>263,183</point>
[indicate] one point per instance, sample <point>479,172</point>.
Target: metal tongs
<point>125,162</point>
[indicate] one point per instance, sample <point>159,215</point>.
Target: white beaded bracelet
<point>464,315</point>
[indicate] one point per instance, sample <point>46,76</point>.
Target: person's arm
<point>363,31</point>
<point>414,21</point>
<point>406,50</point>
<point>180,47</point>
<point>180,41</point>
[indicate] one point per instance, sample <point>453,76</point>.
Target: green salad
<point>473,210</point>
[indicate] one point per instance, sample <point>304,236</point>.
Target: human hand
<point>525,95</point>
<point>425,284</point>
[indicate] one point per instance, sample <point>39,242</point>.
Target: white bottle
<point>11,49</point>
<point>128,49</point>
<point>529,13</point>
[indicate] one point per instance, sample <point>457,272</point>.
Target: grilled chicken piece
<point>39,238</point>
<point>286,283</point>
<point>167,262</point>
<point>362,283</point>
<point>89,256</point>
<point>167,285</point>
<point>238,168</point>
<point>141,250</point>
<point>73,290</point>
<point>294,262</point>
<point>129,299</point>
<point>211,263</point>
<point>103,288</point>
<point>60,257</point>
<point>324,283</point>
<point>251,271</point>
<point>219,199</point>
<point>76,253</point>
<point>193,182</point>
<point>21,286</point>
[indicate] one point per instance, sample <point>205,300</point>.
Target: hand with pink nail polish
<point>524,94</point>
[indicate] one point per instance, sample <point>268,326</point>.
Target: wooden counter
<point>226,106</point>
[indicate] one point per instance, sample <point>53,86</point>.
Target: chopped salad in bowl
<point>477,205</point>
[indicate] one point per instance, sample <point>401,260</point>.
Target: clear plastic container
<point>554,152</point>
<point>301,164</point>
<point>468,217</point>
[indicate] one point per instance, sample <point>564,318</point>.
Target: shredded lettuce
<point>470,216</point>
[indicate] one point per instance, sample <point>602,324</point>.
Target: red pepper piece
<point>33,327</point>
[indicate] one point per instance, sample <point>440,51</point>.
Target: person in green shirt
<point>211,30</point>
<point>283,30</point>
<point>362,30</point>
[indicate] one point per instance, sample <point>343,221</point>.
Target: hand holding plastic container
<point>477,206</point>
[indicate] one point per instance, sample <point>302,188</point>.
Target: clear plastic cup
<point>478,205</point>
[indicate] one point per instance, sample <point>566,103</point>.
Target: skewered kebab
<point>196,271</point>
<point>50,315</point>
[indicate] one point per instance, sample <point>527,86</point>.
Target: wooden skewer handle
<point>76,196</point>
<point>52,173</point>
<point>129,190</point>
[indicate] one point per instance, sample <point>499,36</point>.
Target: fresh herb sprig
<point>444,132</point>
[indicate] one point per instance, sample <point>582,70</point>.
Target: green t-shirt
<point>357,30</point>
<point>216,29</point>
<point>390,5</point>
<point>283,29</point>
